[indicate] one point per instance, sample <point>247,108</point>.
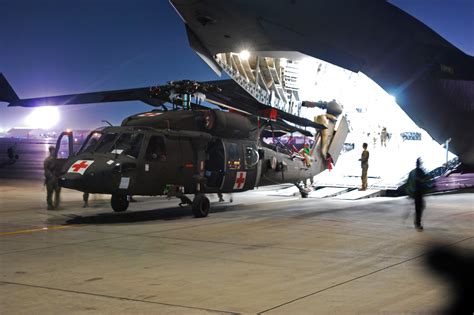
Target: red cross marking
<point>240,180</point>
<point>76,167</point>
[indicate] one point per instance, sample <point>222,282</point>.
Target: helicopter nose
<point>100,177</point>
<point>73,182</point>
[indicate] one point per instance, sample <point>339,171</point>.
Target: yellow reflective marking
<point>44,229</point>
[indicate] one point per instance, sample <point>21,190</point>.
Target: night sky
<point>50,47</point>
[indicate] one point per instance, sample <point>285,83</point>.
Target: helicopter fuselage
<point>184,152</point>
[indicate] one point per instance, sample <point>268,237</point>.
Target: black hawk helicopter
<point>184,148</point>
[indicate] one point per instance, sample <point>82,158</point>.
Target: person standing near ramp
<point>364,164</point>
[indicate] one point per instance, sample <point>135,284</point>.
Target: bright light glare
<point>244,55</point>
<point>392,99</point>
<point>43,117</point>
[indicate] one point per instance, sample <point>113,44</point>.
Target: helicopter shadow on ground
<point>162,214</point>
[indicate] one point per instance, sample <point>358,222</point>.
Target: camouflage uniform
<point>383,137</point>
<point>51,182</point>
<point>85,198</point>
<point>364,164</point>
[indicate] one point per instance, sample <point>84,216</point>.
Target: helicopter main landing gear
<point>304,191</point>
<point>200,205</point>
<point>119,202</point>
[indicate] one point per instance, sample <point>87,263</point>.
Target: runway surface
<point>267,252</point>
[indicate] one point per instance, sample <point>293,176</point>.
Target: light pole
<point>446,145</point>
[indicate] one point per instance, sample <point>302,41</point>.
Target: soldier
<point>364,164</point>
<point>383,137</point>
<point>85,198</point>
<point>51,180</point>
<point>12,155</point>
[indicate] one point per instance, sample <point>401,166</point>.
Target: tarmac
<point>268,251</point>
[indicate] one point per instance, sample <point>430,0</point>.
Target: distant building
<point>22,132</point>
<point>35,133</point>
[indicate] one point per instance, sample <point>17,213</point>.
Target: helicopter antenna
<point>108,123</point>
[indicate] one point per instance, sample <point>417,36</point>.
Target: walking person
<point>417,186</point>
<point>364,164</point>
<point>51,180</point>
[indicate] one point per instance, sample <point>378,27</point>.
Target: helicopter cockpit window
<point>251,156</point>
<point>105,142</point>
<point>91,142</point>
<point>156,150</point>
<point>128,144</point>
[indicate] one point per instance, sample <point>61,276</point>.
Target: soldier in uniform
<point>383,137</point>
<point>364,164</point>
<point>11,152</point>
<point>51,180</point>
<point>85,198</point>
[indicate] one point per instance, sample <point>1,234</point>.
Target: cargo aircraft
<point>184,148</point>
<point>431,79</point>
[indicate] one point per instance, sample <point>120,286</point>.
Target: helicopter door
<point>241,166</point>
<point>64,150</point>
<point>215,164</point>
<point>157,167</point>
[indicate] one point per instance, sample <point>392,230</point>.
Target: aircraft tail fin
<point>7,94</point>
<point>338,139</point>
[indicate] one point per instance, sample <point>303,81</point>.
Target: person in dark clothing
<point>51,180</point>
<point>418,194</point>
<point>85,198</point>
<point>12,155</point>
<point>417,186</point>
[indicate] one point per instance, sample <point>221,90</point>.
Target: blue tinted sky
<point>52,47</point>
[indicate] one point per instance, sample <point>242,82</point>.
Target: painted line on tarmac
<point>360,277</point>
<point>43,229</point>
<point>115,297</point>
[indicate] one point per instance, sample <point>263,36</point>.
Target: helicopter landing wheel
<point>119,202</point>
<point>201,206</point>
<point>304,192</point>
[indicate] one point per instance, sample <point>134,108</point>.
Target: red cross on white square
<point>240,180</point>
<point>80,166</point>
